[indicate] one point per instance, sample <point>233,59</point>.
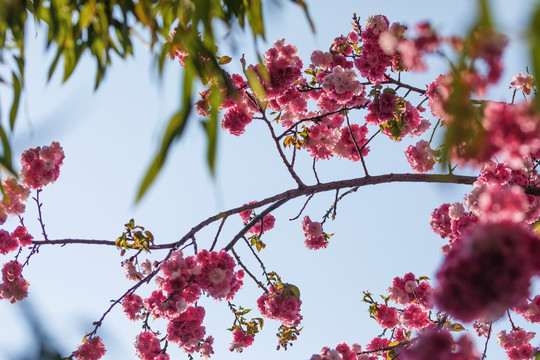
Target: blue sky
<point>109,137</point>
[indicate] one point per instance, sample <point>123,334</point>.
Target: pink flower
<point>488,271</point>
<point>132,304</point>
<point>92,349</point>
<point>41,166</point>
<point>186,330</point>
<point>148,346</point>
<point>280,307</point>
<point>497,204</point>
<point>516,344</point>
<point>342,352</point>
<point>14,287</point>
<point>268,222</point>
<point>7,242</point>
<point>421,157</point>
<point>523,82</point>
<point>341,84</point>
<point>439,345</point>
<point>240,341</point>
<point>235,120</point>
<point>21,235</point>
<point>315,237</point>
<point>414,318</point>
<point>530,310</point>
<point>15,195</point>
<point>217,276</point>
<point>284,68</point>
<point>348,145</point>
<point>387,317</point>
<point>320,59</point>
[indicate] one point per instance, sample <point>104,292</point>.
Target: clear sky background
<point>109,137</point>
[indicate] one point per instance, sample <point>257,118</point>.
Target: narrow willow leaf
<point>175,129</point>
<point>534,39</point>
<point>16,101</point>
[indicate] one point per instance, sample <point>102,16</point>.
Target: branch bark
<point>282,198</point>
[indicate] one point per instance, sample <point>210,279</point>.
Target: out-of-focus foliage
<point>107,28</point>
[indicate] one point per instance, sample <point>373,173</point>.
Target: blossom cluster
<point>11,242</point>
<point>13,287</point>
<point>182,281</point>
<point>278,305</point>
<point>266,224</point>
<point>517,344</point>
<point>315,237</point>
<point>41,166</point>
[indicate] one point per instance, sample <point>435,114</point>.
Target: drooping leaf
<point>16,101</point>
<point>534,41</point>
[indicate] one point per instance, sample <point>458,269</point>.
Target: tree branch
<point>294,193</point>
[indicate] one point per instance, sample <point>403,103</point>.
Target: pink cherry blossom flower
<point>235,120</point>
<point>240,341</point>
<point>530,310</point>
<point>22,236</point>
<point>488,271</point>
<point>7,242</point>
<point>315,237</point>
<point>523,82</point>
<point>414,318</point>
<point>148,346</point>
<point>92,349</point>
<point>280,307</point>
<point>41,166</point>
<point>217,276</point>
<point>14,287</point>
<point>186,330</point>
<point>132,304</point>
<point>387,316</point>
<point>434,344</point>
<point>421,157</point>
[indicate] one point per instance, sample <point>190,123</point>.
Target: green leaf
<point>175,128</point>
<point>303,5</point>
<point>16,101</point>
<point>5,160</point>
<point>534,39</point>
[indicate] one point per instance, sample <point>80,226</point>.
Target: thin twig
<point>357,147</point>
<point>282,155</point>
<point>217,234</point>
<point>265,273</point>
<point>315,171</point>
<point>246,270</point>
<point>487,340</point>
<point>433,133</point>
<point>40,217</point>
<point>303,207</point>
<point>253,222</point>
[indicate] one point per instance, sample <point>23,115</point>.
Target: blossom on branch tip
<point>15,195</point>
<point>523,82</point>
<point>276,305</point>
<point>315,237</point>
<point>240,341</point>
<point>148,347</point>
<point>91,349</point>
<point>41,166</point>
<point>14,287</point>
